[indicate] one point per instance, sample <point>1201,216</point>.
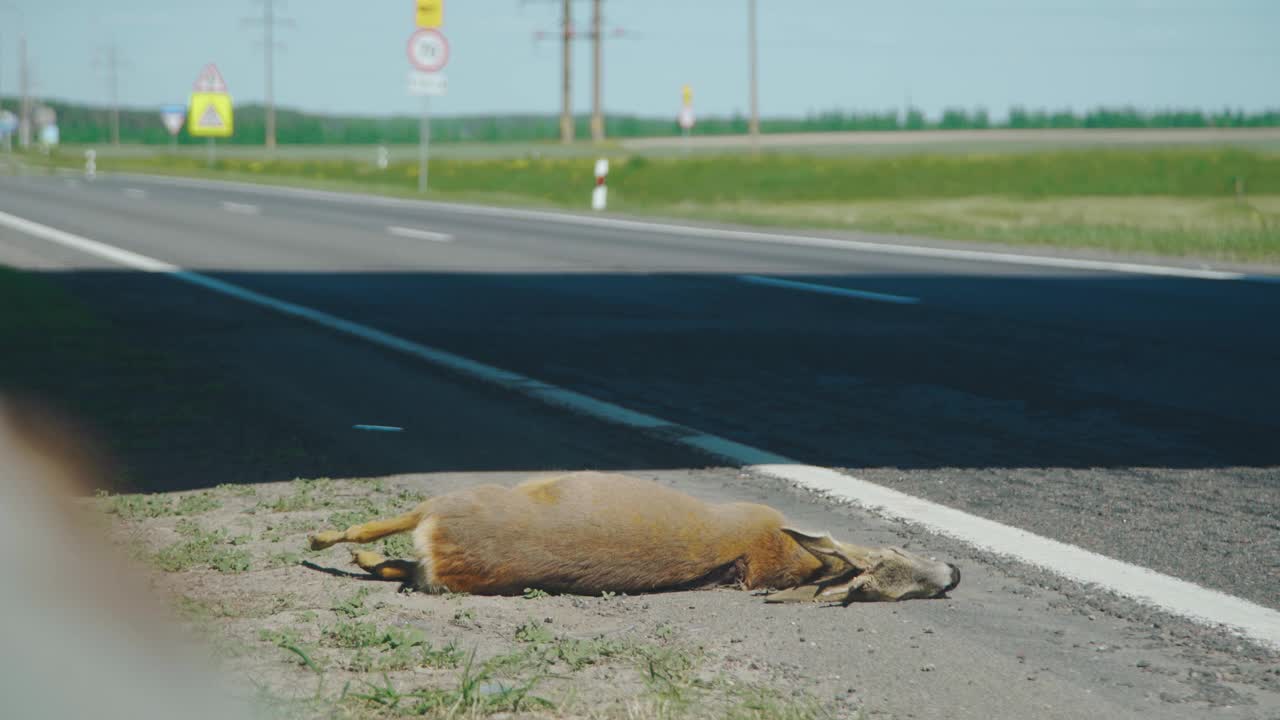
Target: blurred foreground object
<point>83,636</point>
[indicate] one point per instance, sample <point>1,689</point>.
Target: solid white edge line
<point>724,233</point>
<point>1161,591</point>
<point>417,234</point>
<point>828,290</point>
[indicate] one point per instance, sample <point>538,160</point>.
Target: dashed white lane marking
<point>136,193</point>
<point>666,228</point>
<point>417,234</point>
<point>377,428</point>
<point>241,208</point>
<point>829,290</point>
<point>1161,591</point>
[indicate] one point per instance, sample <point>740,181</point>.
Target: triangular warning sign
<point>211,120</point>
<point>210,80</point>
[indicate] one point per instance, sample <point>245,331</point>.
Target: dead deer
<point>588,533</point>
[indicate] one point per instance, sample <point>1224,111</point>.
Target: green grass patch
<point>1221,228</point>
<point>213,550</point>
<point>136,507</point>
<point>352,606</point>
<point>792,189</point>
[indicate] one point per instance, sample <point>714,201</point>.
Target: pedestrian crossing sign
<point>210,115</point>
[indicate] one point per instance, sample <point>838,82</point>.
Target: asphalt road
<point>1128,414</point>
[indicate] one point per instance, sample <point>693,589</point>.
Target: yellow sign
<point>430,13</point>
<point>687,92</point>
<point>210,115</point>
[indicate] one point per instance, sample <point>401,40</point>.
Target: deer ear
<point>822,544</point>
<point>836,558</point>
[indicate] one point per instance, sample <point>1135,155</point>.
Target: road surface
<point>1125,413</point>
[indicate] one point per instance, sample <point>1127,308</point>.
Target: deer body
<point>587,533</point>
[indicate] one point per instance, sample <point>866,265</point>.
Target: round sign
<point>428,50</point>
<point>8,122</point>
<point>686,118</point>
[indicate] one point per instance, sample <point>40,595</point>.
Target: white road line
<point>419,234</point>
<point>1161,591</point>
<point>137,193</point>
<point>241,208</point>
<point>829,290</point>
<point>666,228</point>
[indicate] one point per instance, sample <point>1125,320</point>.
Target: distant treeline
<point>87,124</point>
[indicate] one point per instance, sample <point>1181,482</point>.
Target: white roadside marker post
<point>600,195</point>
<point>384,157</point>
<point>90,164</point>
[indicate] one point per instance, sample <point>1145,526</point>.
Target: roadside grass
<point>1183,201</point>
<point>1226,229</point>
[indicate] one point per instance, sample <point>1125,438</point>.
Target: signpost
<point>686,118</point>
<point>173,117</point>
<point>428,52</point>
<point>209,112</point>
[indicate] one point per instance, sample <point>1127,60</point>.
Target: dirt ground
<point>309,635</point>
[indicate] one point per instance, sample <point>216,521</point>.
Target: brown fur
<point>589,532</point>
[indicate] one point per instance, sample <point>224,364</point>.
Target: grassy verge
<point>1203,202</point>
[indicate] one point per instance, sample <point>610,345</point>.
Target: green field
<point>1215,203</point>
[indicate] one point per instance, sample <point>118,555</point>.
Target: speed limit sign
<point>428,50</point>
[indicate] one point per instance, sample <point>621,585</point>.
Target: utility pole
<point>597,73</point>
<point>110,61</point>
<point>268,21</point>
<point>753,125</point>
<point>566,70</point>
<point>24,82</point>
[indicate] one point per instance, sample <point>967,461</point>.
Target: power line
<point>109,60</point>
<point>268,23</point>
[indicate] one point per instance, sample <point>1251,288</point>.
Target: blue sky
<point>815,54</point>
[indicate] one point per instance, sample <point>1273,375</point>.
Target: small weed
<point>237,490</point>
<point>133,507</point>
<point>288,640</point>
<point>464,617</point>
<point>197,503</point>
<point>284,559</point>
<point>353,635</point>
<point>608,595</point>
<point>307,616</point>
<point>191,608</point>
<point>578,654</point>
<point>356,512</point>
<point>353,606</point>
<point>476,694</point>
<point>188,528</point>
<point>534,594</point>
<point>203,549</point>
<point>760,703</point>
<point>278,530</point>
<point>398,546</point>
<point>534,632</point>
<point>307,495</point>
